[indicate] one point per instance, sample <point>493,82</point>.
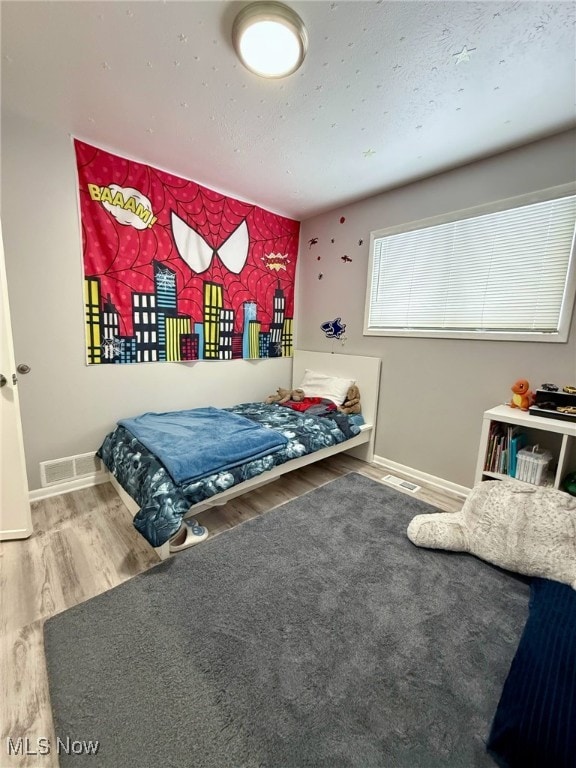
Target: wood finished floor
<point>83,544</point>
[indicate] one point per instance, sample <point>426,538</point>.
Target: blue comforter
<point>195,443</point>
<point>163,503</point>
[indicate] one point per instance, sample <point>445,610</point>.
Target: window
<point>504,272</point>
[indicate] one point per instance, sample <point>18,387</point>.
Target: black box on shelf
<point>547,404</point>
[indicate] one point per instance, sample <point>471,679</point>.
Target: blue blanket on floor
<point>195,443</point>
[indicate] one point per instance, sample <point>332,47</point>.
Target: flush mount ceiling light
<point>270,39</point>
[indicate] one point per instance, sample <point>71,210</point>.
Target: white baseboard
<point>416,474</point>
<point>16,533</point>
<point>71,485</point>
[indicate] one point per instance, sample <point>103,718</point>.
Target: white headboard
<point>364,370</point>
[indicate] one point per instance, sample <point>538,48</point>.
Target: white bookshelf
<point>557,435</point>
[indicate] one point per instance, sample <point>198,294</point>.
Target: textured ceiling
<point>390,92</point>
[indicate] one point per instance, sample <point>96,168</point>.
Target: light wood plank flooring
<point>84,544</point>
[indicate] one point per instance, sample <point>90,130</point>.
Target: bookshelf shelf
<point>556,436</point>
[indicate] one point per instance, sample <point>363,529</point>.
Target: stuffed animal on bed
<point>528,530</point>
<point>352,402</point>
<point>283,395</point>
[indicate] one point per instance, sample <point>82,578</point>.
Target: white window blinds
<point>505,272</point>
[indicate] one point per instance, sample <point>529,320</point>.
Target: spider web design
<point>123,257</point>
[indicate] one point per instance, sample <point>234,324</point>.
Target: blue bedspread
<point>163,503</point>
<point>198,442</point>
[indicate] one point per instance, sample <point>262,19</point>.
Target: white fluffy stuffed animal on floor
<point>526,529</point>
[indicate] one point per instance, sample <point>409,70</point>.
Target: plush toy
<point>529,530</point>
<point>523,397</point>
<point>352,402</point>
<point>283,395</point>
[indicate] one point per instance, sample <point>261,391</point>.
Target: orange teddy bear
<point>523,397</point>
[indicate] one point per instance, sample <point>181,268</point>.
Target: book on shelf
<point>517,441</point>
<point>504,443</point>
<point>494,447</point>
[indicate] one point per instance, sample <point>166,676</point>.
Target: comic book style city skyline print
<point>174,271</point>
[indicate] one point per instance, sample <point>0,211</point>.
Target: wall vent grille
<point>400,483</point>
<point>69,468</point>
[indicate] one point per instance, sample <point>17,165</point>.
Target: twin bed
<point>259,443</point>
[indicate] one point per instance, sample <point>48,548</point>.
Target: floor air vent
<point>69,468</point>
<point>399,483</point>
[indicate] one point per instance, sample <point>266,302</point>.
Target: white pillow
<point>332,388</point>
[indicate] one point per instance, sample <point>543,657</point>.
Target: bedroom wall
<point>68,407</point>
<point>433,391</point>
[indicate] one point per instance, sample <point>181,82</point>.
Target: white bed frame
<point>366,373</point>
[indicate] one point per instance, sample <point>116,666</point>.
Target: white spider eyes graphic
<point>198,254</point>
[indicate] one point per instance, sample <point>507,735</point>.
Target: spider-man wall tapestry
<point>174,271</point>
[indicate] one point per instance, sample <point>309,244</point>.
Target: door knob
<point>3,380</point>
<point>23,368</point>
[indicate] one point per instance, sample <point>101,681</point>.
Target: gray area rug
<point>316,635</point>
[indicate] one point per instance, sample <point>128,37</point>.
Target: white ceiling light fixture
<point>270,39</point>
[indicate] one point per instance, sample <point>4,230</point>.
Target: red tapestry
<point>176,271</point>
